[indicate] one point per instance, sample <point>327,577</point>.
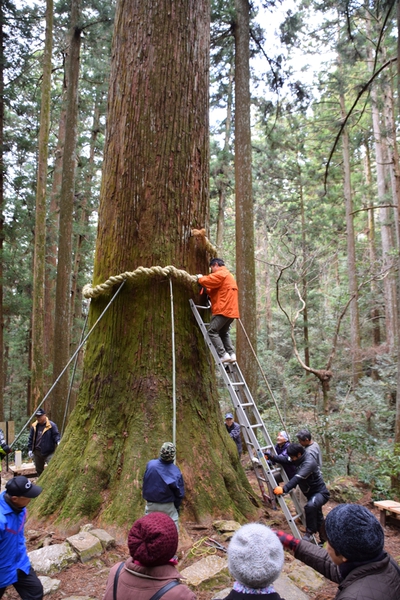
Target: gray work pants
<point>219,334</point>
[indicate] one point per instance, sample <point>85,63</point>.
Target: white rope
<point>140,273</point>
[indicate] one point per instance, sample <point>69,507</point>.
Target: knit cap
<point>167,452</point>
<point>354,532</point>
<point>153,539</point>
<point>255,556</point>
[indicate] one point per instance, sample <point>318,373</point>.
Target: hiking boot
<point>225,358</point>
<point>232,358</point>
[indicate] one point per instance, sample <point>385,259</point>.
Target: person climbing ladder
<point>223,291</point>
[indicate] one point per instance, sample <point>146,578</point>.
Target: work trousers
<point>219,334</point>
<point>29,587</point>
<point>313,512</point>
<point>40,461</point>
<point>166,507</point>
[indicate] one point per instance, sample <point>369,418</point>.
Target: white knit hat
<point>255,556</point>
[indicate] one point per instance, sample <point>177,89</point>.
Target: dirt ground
<point>90,579</point>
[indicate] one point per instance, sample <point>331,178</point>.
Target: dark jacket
<point>234,431</point>
<point>163,482</point>
<point>290,467</point>
<point>308,478</point>
<point>235,595</point>
<point>141,583</point>
<point>379,580</point>
<point>49,440</point>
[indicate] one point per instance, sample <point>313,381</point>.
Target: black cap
<point>40,412</point>
<point>22,487</point>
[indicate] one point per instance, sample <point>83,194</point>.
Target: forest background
<point>325,186</point>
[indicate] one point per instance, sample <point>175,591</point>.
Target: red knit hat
<point>153,539</point>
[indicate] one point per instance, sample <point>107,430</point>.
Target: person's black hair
<point>217,261</point>
<point>295,450</point>
<point>303,435</point>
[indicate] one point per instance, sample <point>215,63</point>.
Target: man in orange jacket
<point>223,291</point>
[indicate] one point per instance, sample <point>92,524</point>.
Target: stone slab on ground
<point>225,526</point>
<point>304,576</point>
<point>52,559</point>
<point>86,545</point>
<point>49,584</point>
<point>106,540</point>
<point>287,589</point>
<point>204,569</point>
<point>221,594</point>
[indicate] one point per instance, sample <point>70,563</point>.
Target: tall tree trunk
<point>385,217</point>
<point>375,316</point>
<point>154,191</point>
<point>225,168</point>
<point>64,264</point>
<point>51,248</point>
<point>351,254</point>
<point>2,374</point>
<point>304,273</point>
<point>395,480</point>
<point>245,264</point>
<point>39,261</point>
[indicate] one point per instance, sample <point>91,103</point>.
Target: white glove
<point>30,453</point>
<point>198,276</point>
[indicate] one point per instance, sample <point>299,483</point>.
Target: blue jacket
<point>234,431</point>
<point>13,553</point>
<point>163,482</point>
<point>49,439</point>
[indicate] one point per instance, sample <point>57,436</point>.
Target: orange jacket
<point>223,291</point>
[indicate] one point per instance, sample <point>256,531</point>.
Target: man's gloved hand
<point>30,453</point>
<point>198,276</point>
<point>6,448</point>
<point>278,491</point>
<point>287,540</point>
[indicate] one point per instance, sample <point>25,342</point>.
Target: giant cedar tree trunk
<point>39,263</point>
<point>245,264</point>
<point>154,190</point>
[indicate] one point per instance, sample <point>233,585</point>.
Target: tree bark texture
<point>351,254</point>
<point>64,264</point>
<point>2,362</point>
<point>385,217</point>
<point>39,262</point>
<point>245,264</point>
<point>154,191</point>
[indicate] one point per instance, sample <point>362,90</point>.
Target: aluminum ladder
<point>253,428</point>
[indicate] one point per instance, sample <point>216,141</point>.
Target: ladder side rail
<point>227,375</point>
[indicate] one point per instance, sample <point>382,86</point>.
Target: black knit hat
<point>354,532</point>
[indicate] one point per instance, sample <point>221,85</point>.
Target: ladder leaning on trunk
<point>253,429</point>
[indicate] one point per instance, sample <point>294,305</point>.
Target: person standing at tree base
<point>163,487</point>
<point>43,440</point>
<point>224,295</point>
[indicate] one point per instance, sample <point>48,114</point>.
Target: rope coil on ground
<point>169,271</point>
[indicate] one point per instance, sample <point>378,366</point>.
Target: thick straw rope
<point>141,272</point>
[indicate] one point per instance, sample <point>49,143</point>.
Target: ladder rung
<point>256,425</point>
<point>250,404</point>
<point>237,383</point>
